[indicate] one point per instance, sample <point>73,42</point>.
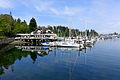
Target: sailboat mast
<point>69,24</point>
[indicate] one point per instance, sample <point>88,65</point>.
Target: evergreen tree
<point>50,27</point>
<point>18,20</point>
<point>33,24</point>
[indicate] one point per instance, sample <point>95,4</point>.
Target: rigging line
<point>72,68</point>
<point>74,63</point>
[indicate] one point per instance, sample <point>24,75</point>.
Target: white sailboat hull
<point>69,44</point>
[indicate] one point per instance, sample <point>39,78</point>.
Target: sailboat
<point>70,43</point>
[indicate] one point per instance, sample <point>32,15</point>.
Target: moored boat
<point>69,43</point>
<point>45,43</point>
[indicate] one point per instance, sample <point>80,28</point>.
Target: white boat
<point>46,43</point>
<point>89,42</point>
<point>69,43</point>
<point>53,44</point>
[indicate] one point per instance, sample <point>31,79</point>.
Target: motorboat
<point>45,43</point>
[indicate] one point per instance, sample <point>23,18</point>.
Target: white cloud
<point>6,4</point>
<point>55,11</point>
<point>43,6</point>
<point>69,11</point>
<point>49,7</point>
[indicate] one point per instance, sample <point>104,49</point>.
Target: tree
<point>50,27</point>
<point>21,27</point>
<point>25,27</point>
<point>6,25</point>
<point>33,24</point>
<point>18,20</point>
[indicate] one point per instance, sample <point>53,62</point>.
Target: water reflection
<point>19,52</point>
<point>42,51</point>
<point>8,59</point>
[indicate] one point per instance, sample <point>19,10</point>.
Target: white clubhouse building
<point>38,34</point>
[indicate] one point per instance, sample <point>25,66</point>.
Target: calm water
<point>101,62</point>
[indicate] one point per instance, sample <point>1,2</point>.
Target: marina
<point>59,40</point>
<point>45,37</point>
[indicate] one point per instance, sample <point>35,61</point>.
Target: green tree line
<point>9,26</point>
<point>65,31</point>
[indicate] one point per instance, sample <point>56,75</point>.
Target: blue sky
<point>101,15</point>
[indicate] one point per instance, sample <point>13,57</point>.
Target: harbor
<point>45,37</point>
